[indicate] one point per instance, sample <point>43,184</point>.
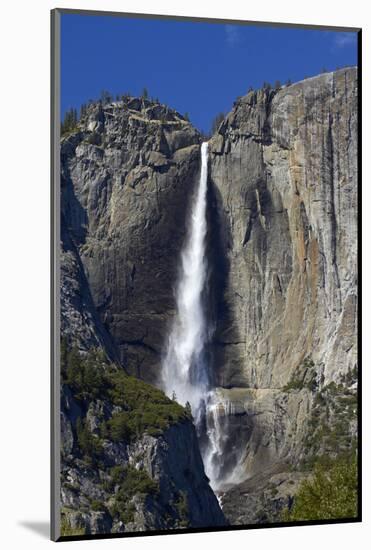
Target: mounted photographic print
<point>204,290</point>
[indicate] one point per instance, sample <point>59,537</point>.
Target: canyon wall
<point>281,245</point>
<point>127,171</point>
<point>284,172</point>
<point>285,169</point>
<point>127,174</point>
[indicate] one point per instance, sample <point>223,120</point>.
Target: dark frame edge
<point>359,269</point>
<point>229,528</point>
<point>54,274</point>
<point>195,19</point>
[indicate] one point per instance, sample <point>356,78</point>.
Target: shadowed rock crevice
<point>217,246</point>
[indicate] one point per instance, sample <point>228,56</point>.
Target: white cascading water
<point>213,458</point>
<point>185,373</point>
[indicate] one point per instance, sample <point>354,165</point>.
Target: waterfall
<point>216,434</point>
<point>184,371</point>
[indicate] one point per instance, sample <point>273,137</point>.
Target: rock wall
<point>285,167</point>
<point>80,321</point>
<point>176,493</point>
<point>284,173</point>
<point>282,247</point>
<point>127,173</point>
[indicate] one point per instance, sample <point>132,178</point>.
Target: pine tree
<point>218,119</point>
<point>126,96</point>
<point>105,97</point>
<point>83,109</point>
<point>188,408</point>
<point>69,121</point>
<point>329,494</point>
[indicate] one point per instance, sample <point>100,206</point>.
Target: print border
<point>55,275</point>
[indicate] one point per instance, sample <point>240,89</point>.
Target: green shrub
<point>305,376</point>
<point>83,373</point>
<point>331,422</point>
<point>132,482</point>
<point>331,494</point>
<point>126,514</point>
<point>135,482</point>
<point>67,530</point>
<point>97,506</point>
<point>117,474</point>
<point>69,122</point>
<point>145,409</point>
<point>182,508</point>
<point>119,428</point>
<point>90,445</point>
<point>293,384</point>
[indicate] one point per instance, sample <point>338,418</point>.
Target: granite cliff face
<point>127,173</point>
<point>114,480</point>
<point>285,166</point>
<point>282,250</point>
<point>284,172</point>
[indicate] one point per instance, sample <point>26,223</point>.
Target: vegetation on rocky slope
<point>332,426</point>
<point>69,122</point>
<point>330,494</point>
<point>304,377</point>
<point>330,454</point>
<point>67,530</point>
<point>320,481</point>
<point>131,483</point>
<point>116,412</point>
<point>139,407</point>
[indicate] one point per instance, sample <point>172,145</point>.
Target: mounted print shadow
<point>205,257</point>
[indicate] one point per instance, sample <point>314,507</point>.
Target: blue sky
<point>194,67</point>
